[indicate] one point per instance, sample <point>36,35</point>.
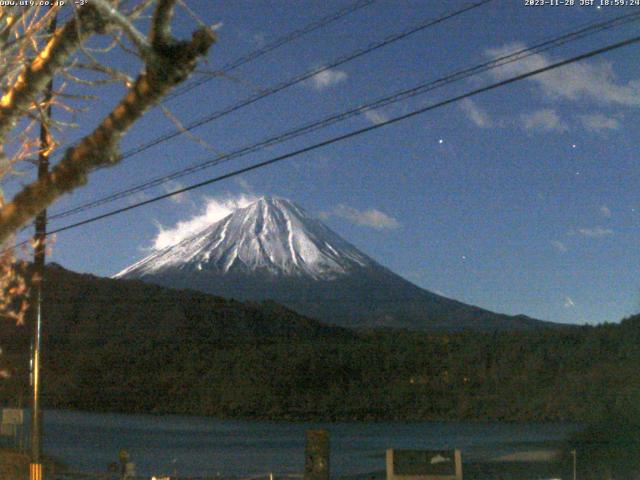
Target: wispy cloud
<point>139,197</point>
<point>173,186</point>
<point>584,80</point>
<point>214,209</point>
<point>599,123</point>
<point>475,114</point>
<point>244,184</point>
<point>605,211</point>
<point>559,246</point>
<point>327,78</point>
<point>595,232</point>
<point>545,120</point>
<point>569,303</point>
<point>376,116</point>
<point>371,218</point>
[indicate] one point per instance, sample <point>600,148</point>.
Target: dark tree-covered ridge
<point>113,345</point>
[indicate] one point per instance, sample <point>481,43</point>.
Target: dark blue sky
<point>522,200</point>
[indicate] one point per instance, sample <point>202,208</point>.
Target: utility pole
<point>573,454</point>
<point>39,254</point>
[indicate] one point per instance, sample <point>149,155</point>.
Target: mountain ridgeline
<point>132,345</point>
<point>273,249</point>
<point>128,346</point>
<point>115,344</point>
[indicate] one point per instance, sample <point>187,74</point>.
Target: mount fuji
<point>273,249</point>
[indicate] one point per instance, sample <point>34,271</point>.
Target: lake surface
<point>199,446</point>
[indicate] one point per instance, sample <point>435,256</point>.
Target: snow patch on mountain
<point>271,235</point>
<point>213,210</point>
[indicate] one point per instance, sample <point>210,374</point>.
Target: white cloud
<point>376,116</point>
<point>327,78</point>
<point>244,184</point>
<point>139,197</point>
<point>576,81</point>
<point>569,303</point>
<point>214,209</point>
<point>172,186</point>
<point>559,246</point>
<point>595,232</point>
<point>545,120</point>
<point>598,122</point>
<point>605,211</point>
<point>474,113</point>
<point>371,218</point>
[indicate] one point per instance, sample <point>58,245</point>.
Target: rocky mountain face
<point>272,236</point>
<point>273,249</point>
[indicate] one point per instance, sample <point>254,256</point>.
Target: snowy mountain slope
<point>271,235</point>
<point>274,250</point>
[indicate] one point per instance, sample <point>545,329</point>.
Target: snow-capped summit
<point>273,249</point>
<point>271,235</point>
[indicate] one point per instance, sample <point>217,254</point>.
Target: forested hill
<point>571,375</point>
<point>134,349</point>
<point>104,338</point>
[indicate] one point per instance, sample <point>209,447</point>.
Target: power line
<point>301,78</point>
<point>355,133</point>
<point>232,65</point>
<point>393,98</point>
<point>425,24</point>
<point>248,57</point>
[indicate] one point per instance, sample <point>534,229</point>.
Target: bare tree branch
<point>180,126</point>
<point>31,56</point>
<point>161,24</point>
<point>37,75</point>
<point>174,61</point>
<point>139,9</point>
<point>138,39</point>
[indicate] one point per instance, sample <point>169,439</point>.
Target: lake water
<point>199,446</point>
